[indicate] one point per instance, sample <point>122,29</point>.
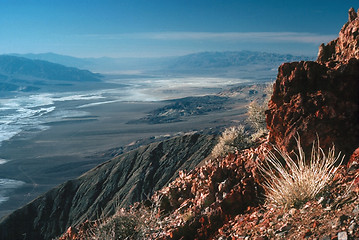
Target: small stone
<point>292,211</point>
<point>308,233</point>
<point>343,236</point>
<point>281,234</point>
<point>327,209</point>
<point>306,206</point>
<point>334,223</point>
<point>341,219</point>
<point>259,238</point>
<point>321,199</point>
<point>286,227</point>
<point>356,209</point>
<point>315,224</point>
<point>352,228</point>
<point>326,237</point>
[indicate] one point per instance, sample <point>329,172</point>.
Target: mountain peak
<point>345,47</point>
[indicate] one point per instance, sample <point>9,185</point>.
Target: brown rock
<point>345,46</point>
<point>354,160</point>
<point>352,15</point>
<point>308,233</point>
<point>320,97</point>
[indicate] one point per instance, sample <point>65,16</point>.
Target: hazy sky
<point>150,28</point>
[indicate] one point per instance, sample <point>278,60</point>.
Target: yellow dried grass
<point>292,182</point>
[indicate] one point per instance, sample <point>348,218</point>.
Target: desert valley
<point>206,145</point>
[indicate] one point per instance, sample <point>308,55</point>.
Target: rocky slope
<point>223,199</point>
<point>128,178</point>
<point>320,98</point>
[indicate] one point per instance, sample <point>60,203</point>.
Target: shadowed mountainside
<point>22,74</point>
<point>126,179</point>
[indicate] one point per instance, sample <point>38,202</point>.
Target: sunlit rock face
<point>319,98</point>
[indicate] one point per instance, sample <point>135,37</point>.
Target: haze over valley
<point>61,117</point>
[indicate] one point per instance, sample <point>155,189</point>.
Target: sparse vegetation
<point>232,139</point>
<point>256,113</point>
<point>292,182</point>
<point>136,223</point>
<point>120,226</point>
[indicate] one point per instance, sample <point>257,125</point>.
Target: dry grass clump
<point>232,139</point>
<point>256,111</point>
<point>292,182</point>
<point>119,226</point>
<point>135,223</point>
<point>256,115</point>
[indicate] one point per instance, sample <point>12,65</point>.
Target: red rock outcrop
<point>198,203</point>
<point>319,98</point>
<point>345,47</point>
<point>201,201</point>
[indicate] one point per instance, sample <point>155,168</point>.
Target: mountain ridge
<point>225,63</point>
<point>22,74</point>
<point>127,178</point>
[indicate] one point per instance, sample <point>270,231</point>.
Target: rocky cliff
<point>126,179</point>
<point>320,98</point>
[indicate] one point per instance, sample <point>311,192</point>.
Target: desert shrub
<point>258,134</point>
<point>292,182</point>
<point>120,226</point>
<point>256,112</point>
<point>136,223</point>
<point>232,139</point>
<point>256,115</point>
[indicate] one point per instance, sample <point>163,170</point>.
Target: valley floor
<point>73,146</point>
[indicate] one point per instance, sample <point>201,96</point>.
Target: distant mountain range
<point>225,64</point>
<point>31,72</point>
<point>240,64</point>
<point>231,59</point>
<point>23,74</point>
<point>102,64</point>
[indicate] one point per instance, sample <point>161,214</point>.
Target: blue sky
<point>155,28</point>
